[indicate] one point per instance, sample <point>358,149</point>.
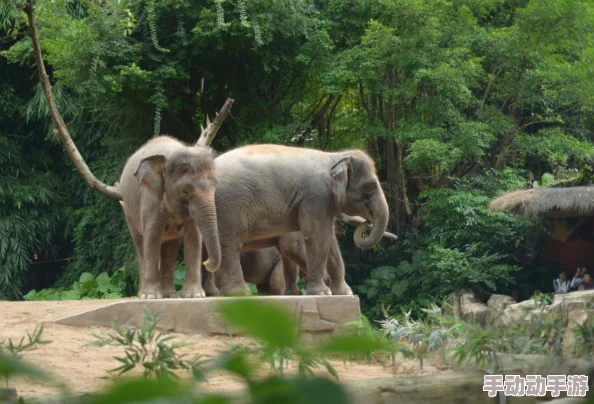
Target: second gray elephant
<point>265,191</point>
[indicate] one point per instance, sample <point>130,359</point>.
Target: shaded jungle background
<point>457,101</point>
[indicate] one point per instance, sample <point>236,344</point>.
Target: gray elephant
<point>266,191</point>
<point>168,191</point>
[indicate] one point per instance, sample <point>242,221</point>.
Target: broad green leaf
<point>212,399</point>
<point>139,390</point>
<point>104,284</point>
<point>320,391</point>
<point>352,343</point>
<point>399,288</point>
<point>71,295</point>
<point>263,320</point>
<point>10,367</point>
<point>234,362</point>
<point>85,277</point>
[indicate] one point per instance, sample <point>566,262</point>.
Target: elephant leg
<point>192,256</point>
<point>290,272</point>
<point>151,283</point>
<point>138,244</point>
<point>169,252</point>
<point>318,239</point>
<point>210,288</point>
<point>229,278</point>
<point>276,283</point>
<point>335,269</point>
<point>292,250</point>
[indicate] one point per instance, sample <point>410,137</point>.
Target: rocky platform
<point>315,315</point>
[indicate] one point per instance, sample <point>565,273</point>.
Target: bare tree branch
<point>212,128</point>
<point>60,130</point>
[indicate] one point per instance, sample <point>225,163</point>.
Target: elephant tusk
<point>205,263</point>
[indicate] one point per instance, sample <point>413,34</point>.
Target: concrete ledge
<point>315,315</point>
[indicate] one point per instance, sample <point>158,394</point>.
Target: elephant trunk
<point>379,223</point>
<point>206,217</point>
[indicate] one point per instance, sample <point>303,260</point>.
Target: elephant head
<point>357,192</point>
<point>186,181</point>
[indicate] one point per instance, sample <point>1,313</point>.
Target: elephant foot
<point>169,293</point>
<point>241,289</point>
<point>341,289</point>
<point>151,290</point>
<point>292,291</point>
<point>212,291</point>
<point>192,290</point>
<point>318,289</point>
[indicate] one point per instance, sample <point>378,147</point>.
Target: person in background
<point>588,284</point>
<point>578,279</point>
<point>561,284</point>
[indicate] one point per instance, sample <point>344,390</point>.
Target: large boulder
<point>577,309</point>
<point>518,313</point>
<point>475,311</point>
<point>471,308</point>
<point>459,301</point>
<point>497,305</point>
<point>467,297</point>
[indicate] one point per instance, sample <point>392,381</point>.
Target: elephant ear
<point>150,174</point>
<point>340,173</point>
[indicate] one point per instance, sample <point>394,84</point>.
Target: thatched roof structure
<point>556,202</point>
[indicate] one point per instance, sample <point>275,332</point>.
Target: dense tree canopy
<point>456,100</point>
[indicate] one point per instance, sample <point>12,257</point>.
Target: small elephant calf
<point>168,193</point>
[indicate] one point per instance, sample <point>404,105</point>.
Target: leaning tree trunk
<point>212,128</point>
<point>60,129</point>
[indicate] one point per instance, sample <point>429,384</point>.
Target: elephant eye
<point>186,192</point>
<point>369,187</point>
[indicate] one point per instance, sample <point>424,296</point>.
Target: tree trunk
<point>320,115</point>
<point>396,178</point>
<point>208,133</point>
<point>60,130</point>
<point>508,138</point>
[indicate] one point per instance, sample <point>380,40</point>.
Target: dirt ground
<point>85,369</point>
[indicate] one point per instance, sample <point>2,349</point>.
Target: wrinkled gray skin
<point>168,191</point>
<point>266,191</point>
<point>265,267</point>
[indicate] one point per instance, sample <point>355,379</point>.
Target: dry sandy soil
<point>85,369</point>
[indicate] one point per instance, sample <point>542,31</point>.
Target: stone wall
<point>574,308</point>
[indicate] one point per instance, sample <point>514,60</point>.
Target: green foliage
<point>457,341</point>
<point>454,88</point>
<point>11,367</point>
<point>459,245</point>
<point>583,344</point>
<point>11,363</point>
<point>87,287</point>
<point>149,350</point>
<point>32,340</point>
<point>283,335</point>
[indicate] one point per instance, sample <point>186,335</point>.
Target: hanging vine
<point>257,32</point>
<point>245,19</point>
<point>150,9</point>
<point>158,99</point>
<point>220,14</point>
<point>242,12</point>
